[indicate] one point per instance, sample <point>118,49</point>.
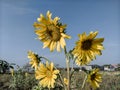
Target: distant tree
<point>5,66</point>
<point>118,67</point>
<point>118,64</point>
<point>107,65</point>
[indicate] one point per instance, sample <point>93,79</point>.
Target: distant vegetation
<point>5,66</point>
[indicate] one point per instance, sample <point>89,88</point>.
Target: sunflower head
<point>87,47</point>
<point>46,74</point>
<point>34,59</point>
<point>94,78</point>
<point>51,32</point>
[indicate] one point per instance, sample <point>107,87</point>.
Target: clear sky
<point>17,32</point>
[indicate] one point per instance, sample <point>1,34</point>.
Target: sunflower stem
<point>84,82</point>
<point>58,73</point>
<point>72,70</point>
<point>68,68</point>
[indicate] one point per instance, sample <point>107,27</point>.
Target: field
<point>111,81</point>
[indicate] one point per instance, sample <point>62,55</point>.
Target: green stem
<point>84,82</point>
<point>72,70</point>
<point>58,73</point>
<point>68,68</point>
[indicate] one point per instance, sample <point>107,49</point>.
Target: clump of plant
<point>52,34</point>
<point>111,81</point>
<point>21,80</point>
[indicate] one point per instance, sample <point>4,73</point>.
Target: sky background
<point>17,35</point>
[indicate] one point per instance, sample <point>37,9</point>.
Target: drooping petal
<point>58,46</point>
<point>65,36</point>
<point>47,43</point>
<point>62,42</point>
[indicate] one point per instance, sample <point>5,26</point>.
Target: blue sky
<point>17,33</point>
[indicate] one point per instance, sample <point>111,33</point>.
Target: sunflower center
<point>93,77</point>
<point>86,45</point>
<point>53,33</point>
<point>49,74</point>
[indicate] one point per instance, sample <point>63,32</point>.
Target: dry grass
<point>4,81</point>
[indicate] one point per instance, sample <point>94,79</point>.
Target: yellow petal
<point>62,42</point>
<point>55,21</point>
<point>51,66</point>
<point>47,43</point>
<point>100,47</point>
<point>58,46</point>
<point>92,35</point>
<point>66,36</point>
<point>98,80</point>
<point>51,46</point>
<point>49,15</point>
<point>83,36</point>
<point>54,45</point>
<point>40,31</point>
<point>38,26</point>
<point>98,40</point>
<point>96,84</point>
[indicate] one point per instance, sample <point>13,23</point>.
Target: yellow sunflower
<point>66,81</point>
<point>51,32</point>
<point>46,74</point>
<point>87,47</point>
<point>33,59</point>
<point>94,78</point>
<point>12,71</point>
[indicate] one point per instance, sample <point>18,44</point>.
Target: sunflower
<point>87,47</point>
<point>51,32</point>
<point>34,59</point>
<point>66,81</point>
<point>94,77</point>
<point>12,71</point>
<point>46,74</point>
